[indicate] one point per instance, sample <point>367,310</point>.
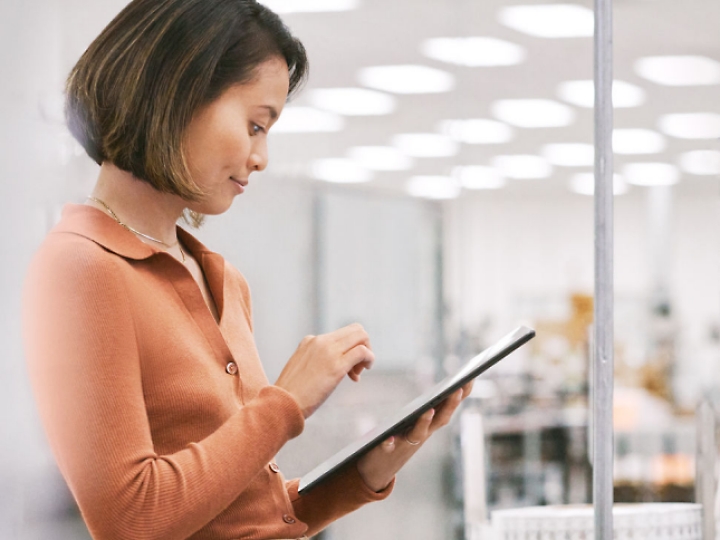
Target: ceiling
<point>390,32</point>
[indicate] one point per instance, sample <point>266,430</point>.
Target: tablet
<point>406,417</point>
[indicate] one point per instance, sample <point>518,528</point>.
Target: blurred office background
<point>433,182</point>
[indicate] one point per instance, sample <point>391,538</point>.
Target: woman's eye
<point>255,129</point>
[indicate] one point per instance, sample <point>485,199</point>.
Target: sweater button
<point>274,468</point>
<point>231,368</point>
<point>287,518</point>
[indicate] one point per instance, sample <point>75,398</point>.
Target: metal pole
<point>603,322</point>
<point>705,456</point>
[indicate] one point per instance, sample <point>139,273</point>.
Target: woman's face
<point>227,139</point>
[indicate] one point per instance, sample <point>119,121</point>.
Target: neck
<point>138,204</point>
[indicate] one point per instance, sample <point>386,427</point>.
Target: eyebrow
<point>273,112</point>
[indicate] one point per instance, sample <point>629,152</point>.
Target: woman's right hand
<point>320,362</point>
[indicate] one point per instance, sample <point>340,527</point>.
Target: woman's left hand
<point>379,466</point>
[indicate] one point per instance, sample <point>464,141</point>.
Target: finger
<point>359,358</point>
<point>467,389</point>
<point>351,336</point>
<point>447,408</point>
<point>388,445</point>
<point>421,430</point>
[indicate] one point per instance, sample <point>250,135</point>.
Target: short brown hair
<point>134,91</point>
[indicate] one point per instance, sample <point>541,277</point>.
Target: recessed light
<point>308,120</point>
<point>701,162</point>
<point>431,145</point>
<point>478,177</point>
<point>584,184</point>
<point>679,70</point>
<point>477,131</point>
<point>701,125</point>
<point>549,20</point>
<point>380,158</point>
<point>523,167</point>
<point>533,113</point>
<point>651,174</point>
<point>407,79</point>
<point>339,171</point>
<point>433,187</point>
<point>582,94</point>
<point>637,141</point>
<point>352,101</point>
<point>473,51</point>
<point>569,154</point>
<point>310,6</point>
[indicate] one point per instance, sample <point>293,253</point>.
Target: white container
<point>647,521</point>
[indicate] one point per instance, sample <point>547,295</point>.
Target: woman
<point>139,338</point>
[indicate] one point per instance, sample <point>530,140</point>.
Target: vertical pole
<point>603,322</point>
<point>705,467</point>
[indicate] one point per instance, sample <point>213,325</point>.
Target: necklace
<point>129,228</point>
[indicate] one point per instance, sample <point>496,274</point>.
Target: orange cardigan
<point>162,422</point>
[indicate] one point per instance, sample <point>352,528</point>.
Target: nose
<point>258,158</point>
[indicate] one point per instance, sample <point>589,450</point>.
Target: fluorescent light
<point>407,79</point>
<point>425,145</point>
<point>584,184</point>
<point>569,154</point>
<point>433,187</point>
<point>702,125</point>
<point>679,70</point>
<point>549,21</point>
<point>701,162</point>
<point>308,120</point>
<point>477,131</point>
<point>533,113</point>
<point>339,171</point>
<point>310,6</point>
<point>582,94</point>
<point>637,141</point>
<point>651,174</point>
<point>478,177</point>
<point>522,167</point>
<point>352,101</point>
<point>380,158</point>
<point>473,51</point>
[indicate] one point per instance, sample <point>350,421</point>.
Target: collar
<point>94,224</point>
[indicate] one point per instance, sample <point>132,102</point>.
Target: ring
<point>413,443</point>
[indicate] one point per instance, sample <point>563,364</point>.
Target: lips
<point>242,182</point>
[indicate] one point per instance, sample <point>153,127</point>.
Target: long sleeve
<point>84,359</point>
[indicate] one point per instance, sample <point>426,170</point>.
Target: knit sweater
<point>162,420</point>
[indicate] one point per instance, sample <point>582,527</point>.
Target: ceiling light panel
<point>637,141</point>
<point>427,145</point>
<point>310,6</point>
<point>352,101</point>
<point>433,187</point>
<point>549,20</point>
<point>380,158</point>
<point>407,79</point>
<point>476,131</point>
<point>522,167</point>
<point>703,125</point>
<point>533,113</point>
<point>651,174</point>
<point>473,51</point>
<point>701,162</point>
<point>479,177</point>
<point>339,171</point>
<point>679,70</point>
<point>569,154</point>
<point>582,94</point>
<point>308,120</point>
<point>584,184</point>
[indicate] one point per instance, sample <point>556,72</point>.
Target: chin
<point>212,208</point>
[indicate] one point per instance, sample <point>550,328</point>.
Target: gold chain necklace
<point>129,228</point>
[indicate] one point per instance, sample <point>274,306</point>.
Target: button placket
<point>231,368</point>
